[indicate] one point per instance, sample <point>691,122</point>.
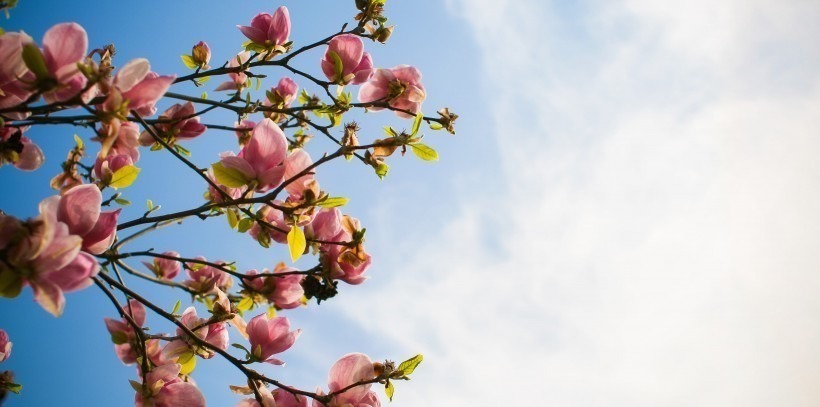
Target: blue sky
<point>627,216</point>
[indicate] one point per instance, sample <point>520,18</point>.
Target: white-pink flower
<point>164,388</point>
<point>356,64</point>
<point>269,337</point>
<point>399,87</point>
<point>261,160</point>
<point>269,30</point>
<point>5,346</point>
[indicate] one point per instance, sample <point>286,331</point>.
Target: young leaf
<point>338,66</point>
<point>122,201</point>
<point>424,152</point>
<point>150,204</point>
<point>436,126</point>
<point>34,60</point>
<point>232,220</point>
<point>245,225</point>
<point>79,141</point>
<point>189,61</point>
<point>409,365</point>
<point>416,124</point>
<point>187,362</point>
<point>333,202</point>
<point>177,306</point>
<point>204,95</point>
<point>245,304</point>
<point>14,387</point>
<point>381,170</point>
<point>389,389</point>
<point>271,312</point>
<point>229,177</point>
<point>124,176</point>
<point>296,242</point>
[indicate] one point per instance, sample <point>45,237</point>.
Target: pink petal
<point>271,178</point>
<point>131,74</point>
<point>350,369</point>
<point>76,275</point>
<point>350,49</point>
<point>31,158</point>
<point>100,238</point>
<point>297,162</point>
<point>279,30</point>
<point>267,146</point>
<point>62,249</point>
<point>239,164</point>
<point>49,296</point>
<point>145,94</point>
<point>180,394</point>
<point>261,22</point>
<point>80,208</point>
<point>364,71</point>
<point>64,44</point>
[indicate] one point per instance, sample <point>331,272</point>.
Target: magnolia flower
<point>164,388</point>
<point>269,337</point>
<point>5,346</point>
<point>272,216</point>
<point>285,398</point>
<point>284,292</point>
<point>123,334</point>
<point>326,225</point>
<point>297,162</point>
<point>205,278</point>
<point>19,150</point>
<point>399,87</point>
<point>350,369</point>
<point>261,160</point>
<point>347,50</point>
<point>238,80</point>
<point>64,46</point>
<point>345,262</point>
<point>214,333</point>
<point>178,125</point>
<point>14,74</point>
<point>79,209</point>
<point>165,269</point>
<point>268,30</point>
<point>201,54</point>
<point>124,142</point>
<point>267,397</point>
<point>280,97</point>
<point>243,131</point>
<point>141,88</point>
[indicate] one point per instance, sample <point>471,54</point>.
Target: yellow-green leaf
<point>333,202</point>
<point>177,306</point>
<point>34,60</point>
<point>187,362</point>
<point>296,242</point>
<point>416,124</point>
<point>245,225</point>
<point>409,365</point>
<point>389,389</point>
<point>338,66</point>
<point>124,176</point>
<point>229,177</point>
<point>232,220</point>
<point>424,152</point>
<point>189,61</point>
<point>245,304</point>
<point>271,313</point>
<point>79,141</point>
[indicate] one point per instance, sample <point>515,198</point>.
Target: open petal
<point>31,158</point>
<point>279,30</point>
<point>297,162</point>
<point>80,208</point>
<point>350,49</point>
<point>180,394</point>
<point>64,44</point>
<point>49,296</point>
<point>254,34</point>
<point>131,74</point>
<point>351,368</point>
<point>76,275</point>
<point>267,147</point>
<point>102,235</point>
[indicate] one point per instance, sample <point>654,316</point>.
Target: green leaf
<point>416,124</point>
<point>258,83</point>
<point>119,337</point>
<point>204,95</point>
<point>189,61</point>
<point>34,60</point>
<point>79,141</point>
<point>245,304</point>
<point>177,306</point>
<point>182,150</point>
<point>333,202</point>
<point>150,204</point>
<point>232,220</point>
<point>389,389</point>
<point>229,177</point>
<point>338,66</point>
<point>14,387</point>
<point>381,170</point>
<point>296,242</point>
<point>271,313</point>
<point>424,152</point>
<point>245,225</point>
<point>122,201</point>
<point>436,126</point>
<point>11,283</point>
<point>124,176</point>
<point>203,80</point>
<point>187,362</point>
<point>408,366</point>
<point>137,386</point>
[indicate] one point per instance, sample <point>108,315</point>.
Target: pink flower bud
<point>165,269</point>
<point>350,369</point>
<point>356,65</point>
<point>201,54</point>
<point>270,336</point>
<point>269,30</point>
<point>5,346</point>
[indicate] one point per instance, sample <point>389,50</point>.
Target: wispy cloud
<point>657,237</point>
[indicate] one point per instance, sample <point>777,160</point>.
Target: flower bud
<point>201,54</point>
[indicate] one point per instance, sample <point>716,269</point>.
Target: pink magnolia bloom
<point>204,279</point>
<point>165,268</point>
<point>352,368</point>
<point>238,80</point>
<point>357,65</point>
<point>181,126</point>
<point>285,398</point>
<point>5,346</point>
<point>261,160</point>
<point>13,73</point>
<point>280,97</point>
<point>269,30</point>
<point>345,263</point>
<point>64,46</point>
<point>124,142</point>
<point>326,225</point>
<point>164,388</point>
<point>19,150</point>
<point>104,168</point>
<point>268,400</point>
<point>215,334</point>
<point>44,254</point>
<point>274,217</point>
<point>140,87</point>
<point>269,337</point>
<point>400,87</point>
<point>298,161</point>
<point>284,292</point>
<point>123,334</point>
<point>79,209</point>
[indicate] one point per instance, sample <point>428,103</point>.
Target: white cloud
<point>659,231</point>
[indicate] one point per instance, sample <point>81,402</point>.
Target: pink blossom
<point>238,80</point>
<point>104,168</point>
<point>268,400</point>
<point>164,388</point>
<point>350,369</point>
<point>44,254</point>
<point>243,131</point>
<point>124,142</point>
<point>165,269</point>
<point>123,334</point>
<point>345,262</point>
<point>64,46</point>
<point>5,346</point>
<point>19,150</point>
<point>204,279</point>
<point>13,73</point>
<point>326,225</point>
<point>269,337</point>
<point>400,87</point>
<point>298,161</point>
<point>273,217</point>
<point>261,160</point>
<point>280,97</point>
<point>285,398</point>
<point>214,333</point>
<point>215,195</point>
<point>141,87</point>
<point>79,209</point>
<point>284,292</point>
<point>179,125</point>
<point>269,30</point>
<point>357,65</point>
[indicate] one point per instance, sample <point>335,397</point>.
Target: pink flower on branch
<point>177,123</point>
<point>285,292</point>
<point>14,74</point>
<point>259,163</point>
<point>268,31</point>
<point>5,346</point>
<point>204,278</point>
<point>399,87</point>
<point>164,388</point>
<point>165,269</point>
<point>135,84</point>
<point>214,333</point>
<point>269,337</point>
<point>238,80</point>
<point>349,370</point>
<point>346,62</point>
<point>79,209</point>
<point>123,334</point>
<point>19,150</point>
<point>55,67</point>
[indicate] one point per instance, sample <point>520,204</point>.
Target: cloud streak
<point>656,240</point>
